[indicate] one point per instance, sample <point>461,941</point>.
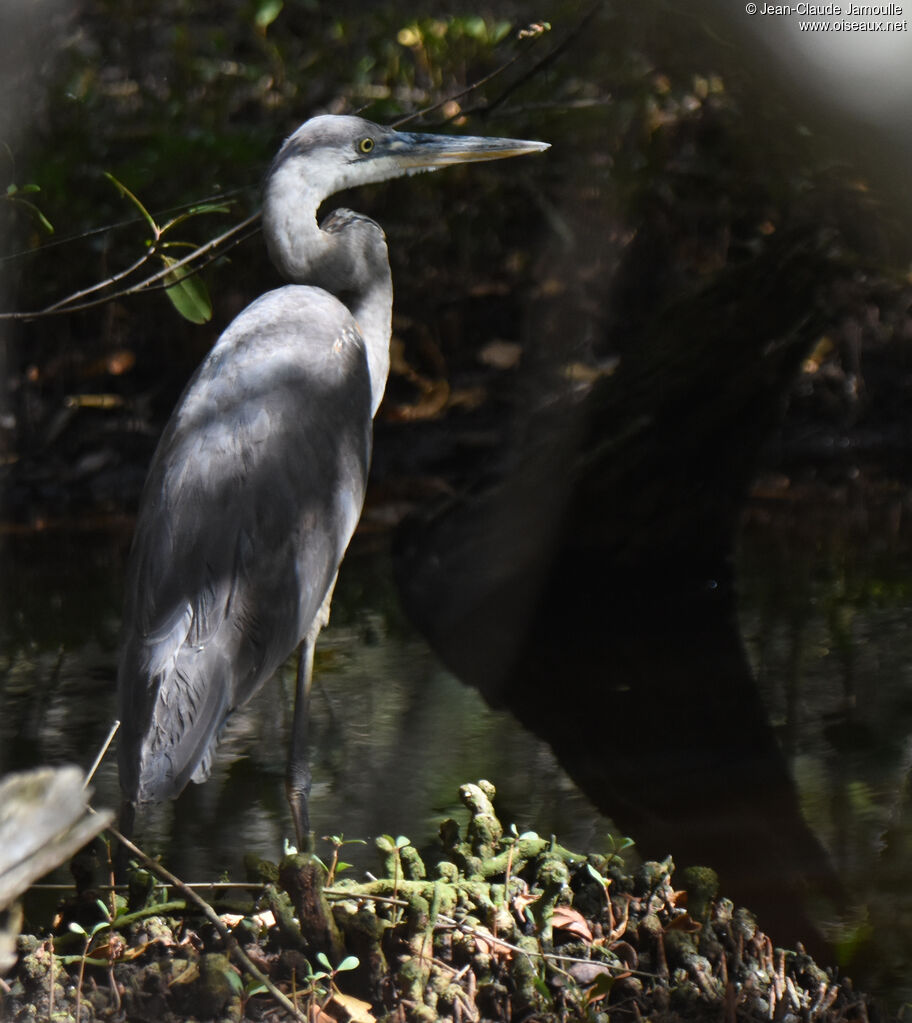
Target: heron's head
<point>330,153</point>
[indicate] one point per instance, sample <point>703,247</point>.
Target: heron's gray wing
<point>251,500</point>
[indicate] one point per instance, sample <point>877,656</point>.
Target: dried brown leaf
<point>565,918</point>
<point>347,1009</point>
<point>487,942</point>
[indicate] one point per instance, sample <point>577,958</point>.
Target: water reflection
<point>826,596</point>
<point>394,734</point>
<point>59,616</point>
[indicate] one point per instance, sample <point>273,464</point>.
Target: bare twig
<point>51,964</point>
<point>69,303</point>
<point>101,754</point>
<point>220,885</point>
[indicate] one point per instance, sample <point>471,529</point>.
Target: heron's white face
<point>328,154</point>
<point>331,152</point>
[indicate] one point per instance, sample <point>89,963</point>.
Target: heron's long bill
<point>417,151</point>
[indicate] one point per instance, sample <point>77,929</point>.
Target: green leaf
<point>210,207</point>
<point>188,294</point>
<point>77,928</point>
<point>234,982</point>
<point>324,961</point>
<point>124,191</point>
<point>542,989</point>
<point>267,13</point>
<point>42,219</point>
<point>348,963</point>
<point>604,982</point>
<point>500,29</point>
<point>475,27</point>
<point>12,195</point>
<point>595,874</point>
<point>194,211</point>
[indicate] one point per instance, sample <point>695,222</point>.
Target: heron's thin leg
<point>297,776</point>
<point>125,825</point>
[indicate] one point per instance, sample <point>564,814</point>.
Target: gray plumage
<point>258,480</point>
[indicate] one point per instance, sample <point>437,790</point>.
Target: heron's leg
<point>125,826</point>
<point>297,776</point>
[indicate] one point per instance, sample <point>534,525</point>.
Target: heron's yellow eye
<point>366,145</point>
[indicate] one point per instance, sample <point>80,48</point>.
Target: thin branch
<point>211,257</point>
<point>463,92</point>
<point>63,306</point>
<point>231,942</point>
<point>250,886</point>
<point>101,754</point>
<point>549,57</point>
<point>117,225</point>
<point>452,924</point>
<point>64,303</point>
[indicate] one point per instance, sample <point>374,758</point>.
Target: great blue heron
<point>258,480</point>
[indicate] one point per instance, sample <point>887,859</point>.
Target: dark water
<point>826,601</point>
<point>394,734</point>
<point>825,596</point>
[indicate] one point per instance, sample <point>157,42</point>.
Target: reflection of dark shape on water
<point>590,592</point>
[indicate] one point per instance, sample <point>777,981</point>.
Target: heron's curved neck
<point>349,260</point>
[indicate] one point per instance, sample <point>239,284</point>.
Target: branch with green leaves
<point>14,194</point>
<point>177,276</point>
<point>185,289</point>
